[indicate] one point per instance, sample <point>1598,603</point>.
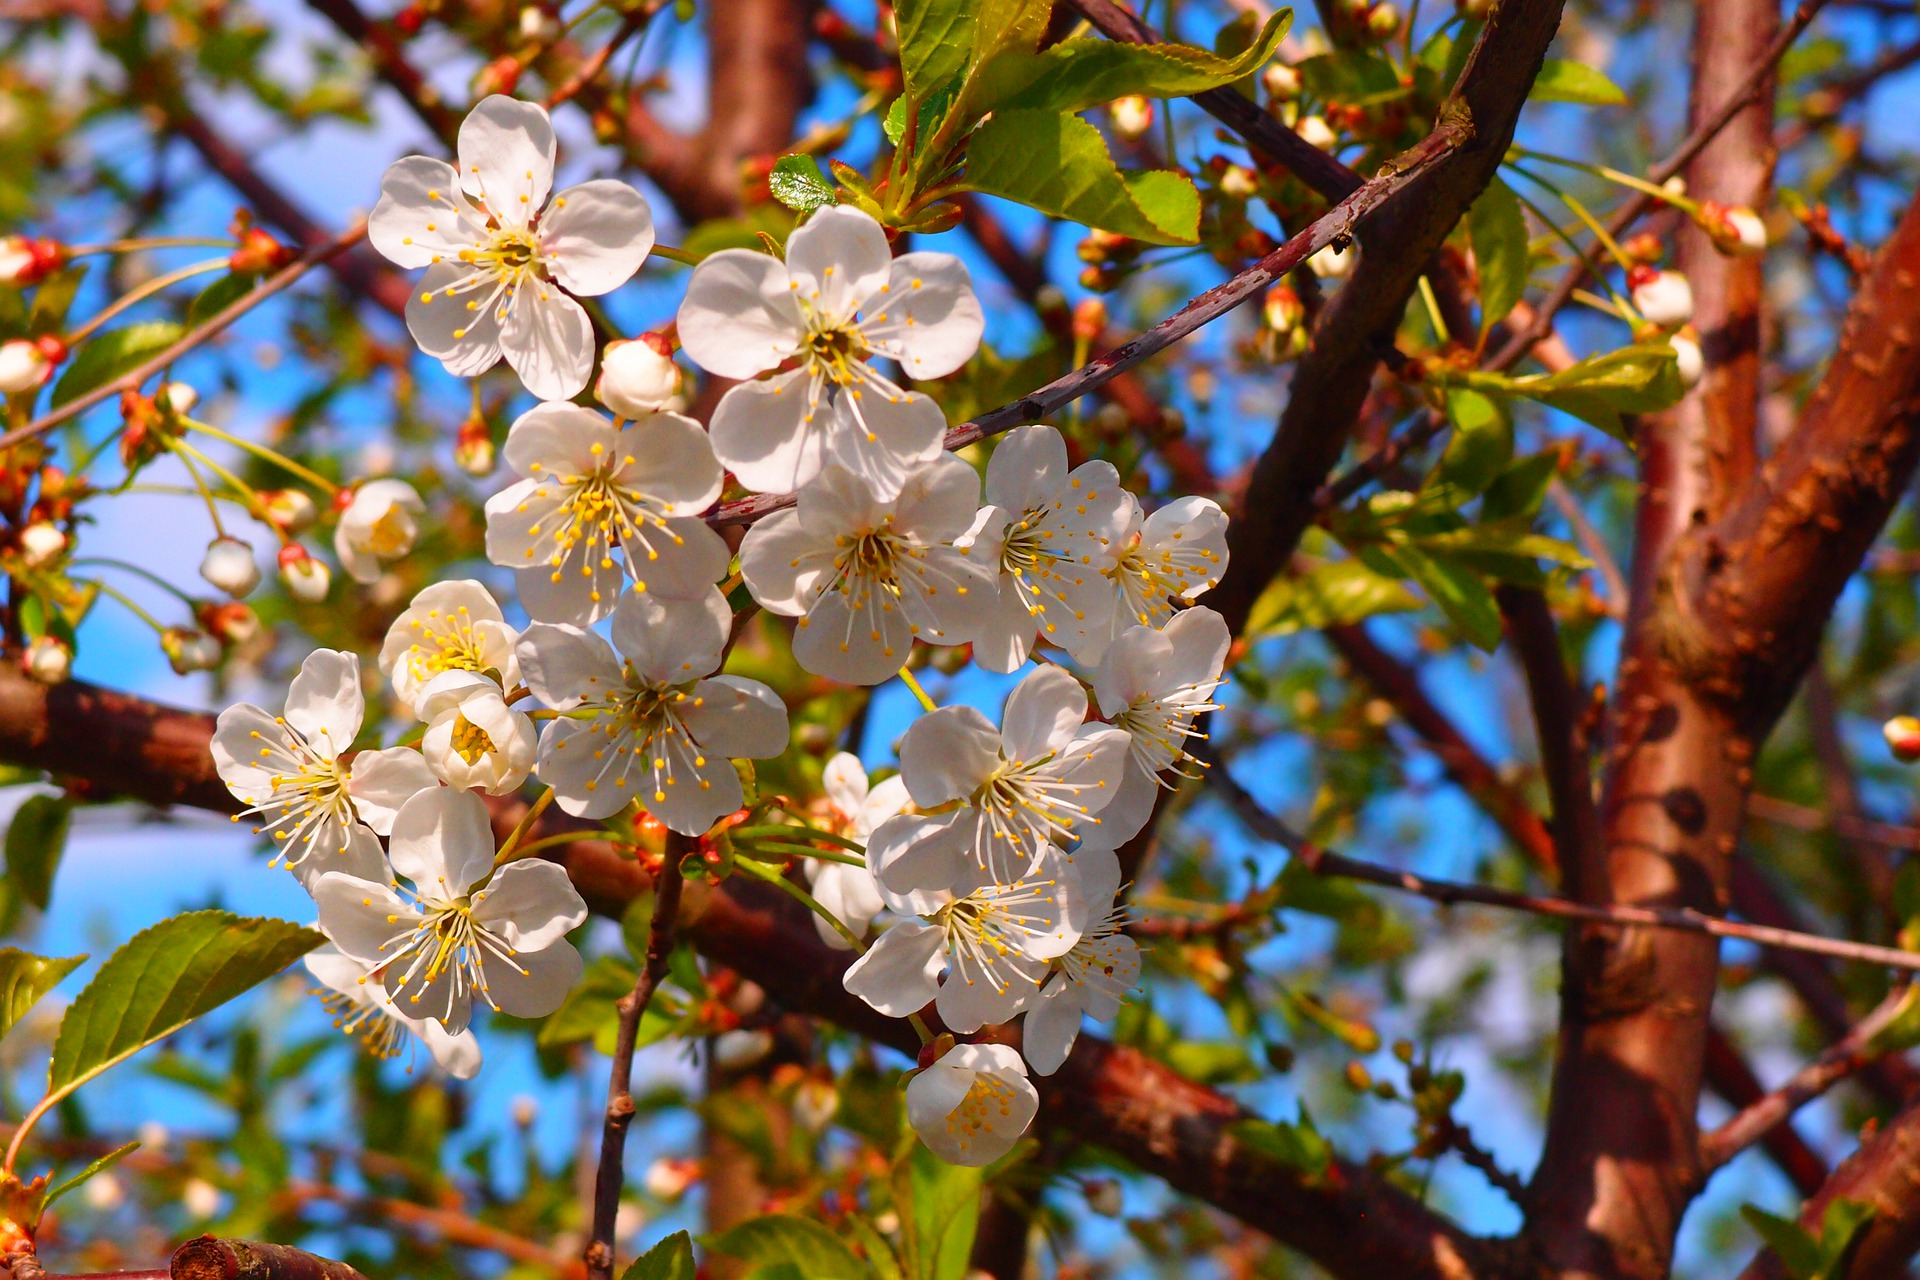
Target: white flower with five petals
<point>973,1104</point>
<point>849,892</point>
<point>378,524</point>
<point>839,299</point>
<point>289,768</point>
<point>474,740</point>
<point>649,723</point>
<point>1008,793</point>
<point>868,577</point>
<point>1163,562</point>
<point>361,1008</point>
<point>449,626</point>
<point>1091,978</point>
<point>1049,532</point>
<point>590,488</point>
<point>465,931</point>
<point>501,262</point>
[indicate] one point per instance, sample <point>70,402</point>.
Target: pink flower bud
<point>24,367</point>
<point>1903,736</point>
<point>638,378</point>
<point>189,649</point>
<point>47,660</point>
<point>290,510</point>
<point>1736,231</point>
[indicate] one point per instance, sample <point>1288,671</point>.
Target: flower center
<point>983,928</point>
<point>307,793</point>
<point>455,646</point>
<point>987,1106</point>
<point>1158,726</point>
<point>596,515</point>
<point>470,741</point>
<point>1023,806</point>
<point>836,350</point>
<point>367,1022</point>
<point>444,940</point>
<point>1150,582</point>
<point>642,727</point>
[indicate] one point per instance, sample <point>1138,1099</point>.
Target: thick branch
<point>210,1258</point>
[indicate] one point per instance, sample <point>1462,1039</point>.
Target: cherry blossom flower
<point>639,377</point>
<point>449,626</point>
<point>1041,779</point>
<point>993,940</point>
<point>1092,977</point>
<point>361,1008</point>
<point>973,1104</point>
<point>649,723</point>
<point>474,740</point>
<point>590,487</point>
<point>229,566</point>
<point>1049,533</point>
<point>838,299</point>
<point>465,931</point>
<point>288,768</point>
<point>501,262</point>
<point>866,576</point>
<point>847,891</point>
<point>378,524</point>
<point>1164,561</point>
<point>1152,683</point>
<point>305,578</point>
<point>1663,298</point>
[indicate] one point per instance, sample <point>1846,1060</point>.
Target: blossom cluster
<point>989,884</point>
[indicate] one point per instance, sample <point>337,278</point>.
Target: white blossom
<point>42,543</point>
<point>47,660</point>
<point>474,740</point>
<point>868,576</point>
<point>378,524</point>
<point>229,565</point>
<point>449,626</point>
<point>24,367</point>
<point>361,1008</point>
<point>838,299</point>
<point>464,931</point>
<point>992,939</point>
<point>1092,977</point>
<point>590,487</point>
<point>1010,792</point>
<point>1690,362</point>
<point>1663,298</point>
<point>648,723</point>
<point>305,578</point>
<point>849,892</point>
<point>501,262</point>
<point>971,1106</point>
<point>288,768</point>
<point>1164,561</point>
<point>638,378</point>
<point>1048,533</point>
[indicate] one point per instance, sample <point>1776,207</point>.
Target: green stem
<point>926,703</point>
<point>180,451</point>
<point>803,851</point>
<point>525,824</point>
<point>785,831</point>
<point>141,294</point>
<point>108,589</point>
<point>111,563</point>
<point>149,242</point>
<point>261,451</point>
<point>673,253</point>
<point>772,876</point>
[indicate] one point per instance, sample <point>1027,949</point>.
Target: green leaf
<point>35,840</point>
<point>104,1163</point>
<point>941,40</point>
<point>946,1213</point>
<point>1335,594</point>
<point>111,354</point>
<point>1076,74</point>
<point>781,1238</point>
<point>1840,1225</point>
<point>797,183</point>
<point>1792,1243</point>
<point>164,978</point>
<point>24,978</point>
<point>54,298</point>
<point>894,125</point>
<point>1642,378</point>
<point>219,295</point>
<point>1563,81</point>
<point>1059,164</point>
<point>588,1013</point>
<point>1504,537</point>
<point>1457,590</point>
<point>671,1259</point>
<point>1481,445</point>
<point>1498,233</point>
<point>1521,488</point>
<point>1297,1146</point>
<point>1350,77</point>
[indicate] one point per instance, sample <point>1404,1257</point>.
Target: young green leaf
<point>1481,445</point>
<point>796,182</point>
<point>36,838</point>
<point>79,1179</point>
<point>1563,81</point>
<point>1059,164</point>
<point>1297,1146</point>
<point>24,978</point>
<point>1792,1243</point>
<point>671,1259</point>
<point>1459,591</point>
<point>1643,378</point>
<point>162,979</point>
<point>1335,594</point>
<point>946,1213</point>
<point>779,1238</point>
<point>588,1013</point>
<point>1521,488</point>
<point>219,295</point>
<point>1076,74</point>
<point>106,357</point>
<point>54,298</point>
<point>1499,236</point>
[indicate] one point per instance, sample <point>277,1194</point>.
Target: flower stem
<point>527,820</point>
<point>148,242</point>
<point>141,293</point>
<point>673,253</point>
<point>773,877</point>
<point>213,509</point>
<point>148,574</point>
<point>131,607</point>
<point>261,451</point>
<point>926,703</point>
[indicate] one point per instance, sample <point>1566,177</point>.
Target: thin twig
<point>589,70</point>
<point>613,1134</point>
<point>1325,862</point>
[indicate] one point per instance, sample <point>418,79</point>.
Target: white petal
<point>850,894</point>
<point>550,441</point>
<point>845,782</point>
<point>1116,971</point>
<point>506,157</point>
<point>939,502</point>
<point>548,340</point>
<point>362,858</point>
<point>783,563</point>
<point>241,733</point>
<point>966,1006</point>
<point>670,459</point>
<point>995,1123</point>
<point>324,702</point>
<point>739,317</point>
<point>1028,469</point>
<point>899,973</point>
<point>852,646</point>
<point>539,990</point>
<point>839,259</point>
<point>738,718</point>
<point>884,436</point>
<point>531,904</point>
<point>1003,635</point>
<point>883,802</point>
<point>838,502</point>
<point>1093,762</point>
<point>422,216</point>
<point>337,971</point>
<point>466,341</point>
<point>911,855</point>
<point>360,916</point>
<point>1052,1025</point>
<point>1193,532</point>
<point>684,559</point>
<point>671,641</point>
<point>579,592</point>
<point>1200,643</point>
<point>457,1053</point>
<point>381,781</point>
<point>1131,667</point>
<point>946,754</point>
<point>563,665</point>
<point>443,842</point>
<point>769,434</point>
<point>933,1094</point>
<point>1043,713</point>
<point>567,764</point>
<point>928,317</point>
<point>700,794</point>
<point>596,236</point>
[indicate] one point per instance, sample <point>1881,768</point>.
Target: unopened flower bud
<point>1903,736</point>
<point>1383,21</point>
<point>538,25</point>
<point>1103,1196</point>
<point>502,75</point>
<point>1664,298</point>
<point>42,543</point>
<point>200,1198</point>
<point>27,260</point>
<point>259,253</point>
<point>229,565</point>
<point>525,1109</point>
<point>1132,116</point>
<point>669,1177</point>
<point>1282,308</point>
<point>473,448</point>
<point>1282,82</point>
<point>1736,231</point>
<point>290,510</point>
<point>306,579</point>
<point>1239,182</point>
<point>1688,357</point>
<point>737,1050</point>
<point>180,397</point>
<point>1644,247</point>
<point>1675,187</point>
<point>1315,131</point>
<point>1089,319</point>
<point>24,367</point>
<point>231,622</point>
<point>639,377</point>
<point>189,649</point>
<point>1332,263</point>
<point>47,660</point>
